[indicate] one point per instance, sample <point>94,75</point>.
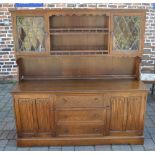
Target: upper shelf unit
<point>69,32</point>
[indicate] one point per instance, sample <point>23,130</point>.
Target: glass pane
<point>126,33</point>
<point>30,34</point>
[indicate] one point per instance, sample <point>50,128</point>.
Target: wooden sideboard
<point>79,76</point>
<point>83,112</point>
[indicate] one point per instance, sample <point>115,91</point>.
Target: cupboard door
<point>127,113</point>
<point>29,33</point>
<point>127,32</point>
<point>34,115</point>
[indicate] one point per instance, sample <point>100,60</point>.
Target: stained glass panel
<point>30,34</point>
<point>126,33</point>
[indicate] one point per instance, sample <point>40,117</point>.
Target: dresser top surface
<point>93,85</point>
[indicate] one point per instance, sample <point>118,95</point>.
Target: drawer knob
<point>97,130</point>
<point>64,99</point>
<point>95,115</point>
<point>96,99</point>
<point>65,130</point>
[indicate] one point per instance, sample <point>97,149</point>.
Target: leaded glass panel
<point>126,33</point>
<point>30,33</point>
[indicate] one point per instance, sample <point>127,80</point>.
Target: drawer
<point>75,114</point>
<point>80,130</point>
<point>80,101</point>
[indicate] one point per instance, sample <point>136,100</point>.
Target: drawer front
<point>80,130</point>
<point>74,115</point>
<point>80,101</point>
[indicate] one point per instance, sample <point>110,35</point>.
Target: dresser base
<point>107,112</point>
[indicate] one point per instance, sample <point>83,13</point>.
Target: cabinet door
<point>34,115</point>
<point>127,33</point>
<point>127,113</point>
<point>29,32</point>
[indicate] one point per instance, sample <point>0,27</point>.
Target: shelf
<point>78,52</point>
<point>79,48</point>
<point>79,30</point>
<point>78,33</point>
<point>79,42</point>
<point>82,21</point>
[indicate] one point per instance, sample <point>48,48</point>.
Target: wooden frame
<point>29,13</point>
<point>141,43</point>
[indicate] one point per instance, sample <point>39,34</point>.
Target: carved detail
<point>42,100</point>
<point>117,100</point>
<point>26,101</point>
<point>134,99</point>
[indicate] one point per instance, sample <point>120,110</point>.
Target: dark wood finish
<point>79,91</point>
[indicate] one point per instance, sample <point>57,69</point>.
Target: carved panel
<point>118,109</point>
<point>26,110</point>
<point>133,113</point>
<point>43,114</point>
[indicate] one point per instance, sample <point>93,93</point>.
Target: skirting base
<point>27,142</point>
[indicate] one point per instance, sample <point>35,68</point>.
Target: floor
<point>8,132</point>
